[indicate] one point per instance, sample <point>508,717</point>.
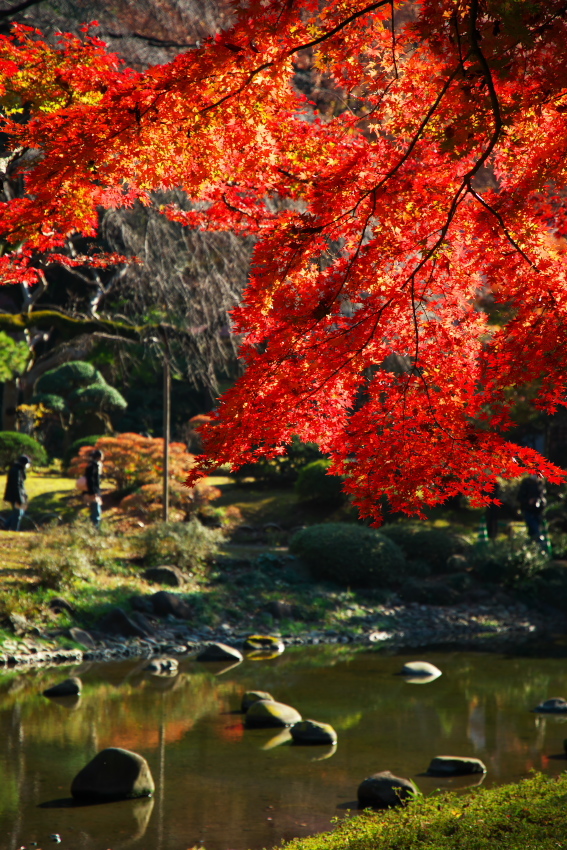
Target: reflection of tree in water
<point>124,716</point>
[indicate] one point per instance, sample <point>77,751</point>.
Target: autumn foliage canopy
<point>437,185</point>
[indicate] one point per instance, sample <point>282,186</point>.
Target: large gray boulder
<point>455,766</point>
<point>555,705</point>
<point>253,696</point>
<point>113,774</point>
<point>383,790</point>
<point>266,712</point>
<point>165,603</point>
<point>67,688</point>
<point>313,732</point>
<point>220,652</point>
<point>83,637</point>
<point>117,622</point>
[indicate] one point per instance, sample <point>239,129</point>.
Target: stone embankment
<point>395,627</point>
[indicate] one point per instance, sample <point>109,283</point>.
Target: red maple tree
<point>440,179</point>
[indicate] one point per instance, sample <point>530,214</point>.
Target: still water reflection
<point>225,786</point>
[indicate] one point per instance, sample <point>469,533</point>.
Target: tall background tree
<point>183,280</point>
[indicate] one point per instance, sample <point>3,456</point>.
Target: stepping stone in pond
<point>113,774</point>
<point>219,652</point>
<point>455,766</point>
<point>264,643</point>
<point>313,732</point>
<point>555,705</point>
<point>253,696</point>
<point>162,667</point>
<point>383,790</point>
<point>67,688</point>
<point>267,712</point>
<point>420,672</point>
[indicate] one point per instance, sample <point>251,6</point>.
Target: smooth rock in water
<point>68,688</point>
<point>83,637</point>
<point>266,712</point>
<point>382,790</point>
<point>117,622</point>
<point>414,671</point>
<point>171,576</point>
<point>313,732</point>
<point>219,652</point>
<point>253,696</point>
<point>455,766</point>
<point>265,643</point>
<point>555,705</point>
<point>113,774</point>
<point>165,603</point>
<point>162,667</point>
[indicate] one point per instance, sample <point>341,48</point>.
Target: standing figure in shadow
<point>15,492</point>
<point>533,499</point>
<point>93,474</point>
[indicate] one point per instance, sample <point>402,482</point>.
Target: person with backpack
<point>93,474</point>
<point>15,492</point>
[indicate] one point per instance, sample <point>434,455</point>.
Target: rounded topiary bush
<point>13,444</point>
<point>315,485</point>
<point>349,554</point>
<point>423,543</point>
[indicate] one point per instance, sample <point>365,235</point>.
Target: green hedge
<point>315,485</point>
<point>349,554</point>
<point>421,542</point>
<point>507,562</point>
<point>13,444</point>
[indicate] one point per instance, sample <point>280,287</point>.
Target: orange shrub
<point>147,501</point>
<point>132,460</point>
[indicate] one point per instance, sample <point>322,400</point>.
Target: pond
<point>231,788</point>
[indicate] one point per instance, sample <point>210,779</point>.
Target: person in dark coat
<point>15,492</point>
<point>93,474</point>
<point>533,499</point>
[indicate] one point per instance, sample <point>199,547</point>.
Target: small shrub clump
<point>281,470</point>
<point>423,543</point>
<point>66,553</point>
<point>507,562</point>
<point>548,586</point>
<point>314,484</point>
<point>349,554</point>
<point>188,545</point>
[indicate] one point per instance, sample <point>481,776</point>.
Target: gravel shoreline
<point>393,627</point>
